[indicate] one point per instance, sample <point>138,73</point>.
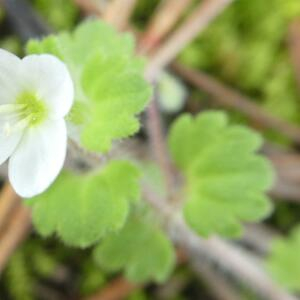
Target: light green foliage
<point>82,209</point>
<point>30,265</point>
<point>237,46</point>
<point>138,294</point>
<point>284,261</point>
<point>12,44</point>
<point>108,79</point>
<point>43,263</point>
<point>280,92</point>
<point>91,279</point>
<point>123,93</point>
<point>18,278</point>
<point>225,178</point>
<point>141,249</point>
<point>291,8</point>
<point>249,54</point>
<point>60,14</point>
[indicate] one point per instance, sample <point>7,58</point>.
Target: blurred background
<point>245,61</point>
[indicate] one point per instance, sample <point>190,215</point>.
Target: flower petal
<point>8,143</point>
<point>9,76</point>
<point>50,78</point>
<point>38,158</point>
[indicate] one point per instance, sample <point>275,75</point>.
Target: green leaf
<point>141,249</point>
<point>117,94</point>
<point>284,260</point>
<point>291,9</point>
<point>225,179</point>
<point>108,80</point>
<point>82,209</point>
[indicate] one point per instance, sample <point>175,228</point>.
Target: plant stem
<point>294,47</point>
<point>88,7</point>
<point>197,22</point>
<point>228,257</point>
<point>118,13</point>
<point>163,20</point>
<point>8,202</point>
<point>117,289</point>
<point>158,143</point>
<point>233,99</point>
<point>17,230</point>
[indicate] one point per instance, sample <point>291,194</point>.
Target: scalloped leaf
<point>226,180</point>
<point>141,249</point>
<point>284,260</point>
<point>82,209</point>
<point>108,80</point>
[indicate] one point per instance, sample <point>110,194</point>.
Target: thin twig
<point>259,237</point>
<point>89,7</point>
<point>219,287</point>
<point>165,17</point>
<point>287,185</point>
<point>17,230</point>
<point>172,288</point>
<point>197,22</point>
<point>8,201</point>
<point>202,16</point>
<point>286,191</point>
<point>158,143</point>
<point>232,99</point>
<point>117,289</point>
<point>118,13</point>
<point>15,223</point>
<point>288,165</point>
<point>234,261</point>
<point>242,267</point>
<point>294,47</point>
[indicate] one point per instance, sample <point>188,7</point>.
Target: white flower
<point>36,93</point>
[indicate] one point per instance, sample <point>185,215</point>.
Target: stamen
<point>9,129</point>
<point>10,108</point>
<point>27,110</point>
<point>21,124</point>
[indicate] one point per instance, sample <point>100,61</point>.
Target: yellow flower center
<point>28,111</point>
<point>32,108</point>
